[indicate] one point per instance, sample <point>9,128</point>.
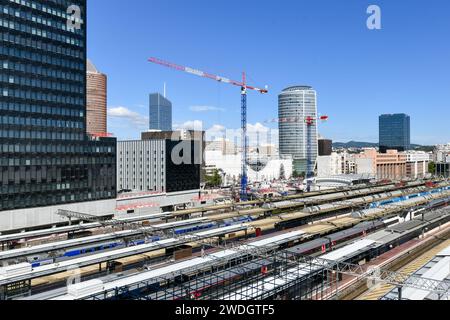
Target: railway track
<point>358,289</point>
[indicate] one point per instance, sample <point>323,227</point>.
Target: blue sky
<point>358,73</point>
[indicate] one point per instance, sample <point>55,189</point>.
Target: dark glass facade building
<point>443,170</point>
<point>46,157</point>
<point>185,176</point>
<point>394,132</point>
<point>325,147</point>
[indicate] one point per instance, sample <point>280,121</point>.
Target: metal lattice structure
<point>146,231</point>
<point>398,279</point>
<point>259,274</point>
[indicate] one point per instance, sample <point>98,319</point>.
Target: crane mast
<point>244,178</point>
<point>244,88</point>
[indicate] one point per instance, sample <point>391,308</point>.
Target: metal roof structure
<point>117,254</point>
<point>437,269</point>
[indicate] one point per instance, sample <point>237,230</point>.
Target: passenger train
<point>61,255</point>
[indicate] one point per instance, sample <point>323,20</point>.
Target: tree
<point>282,173</point>
<point>432,167</point>
<point>214,180</point>
<point>295,174</point>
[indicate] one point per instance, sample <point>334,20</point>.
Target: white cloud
<point>257,127</point>
<point>190,125</point>
<point>217,128</point>
<point>125,113</point>
<point>205,109</point>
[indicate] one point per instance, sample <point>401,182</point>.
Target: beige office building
<point>389,165</point>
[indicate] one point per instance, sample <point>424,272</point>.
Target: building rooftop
<point>298,88</point>
<point>91,67</point>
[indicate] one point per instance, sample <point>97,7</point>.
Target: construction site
<point>374,242</point>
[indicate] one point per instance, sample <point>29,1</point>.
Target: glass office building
<point>394,132</point>
<point>160,113</point>
<point>46,156</point>
<point>294,105</point>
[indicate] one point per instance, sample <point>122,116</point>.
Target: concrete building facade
<point>441,153</point>
<point>389,165</point>
<point>417,164</point>
<point>329,165</point>
<point>96,118</point>
<point>158,165</point>
<point>183,135</point>
<point>140,165</point>
<point>337,163</point>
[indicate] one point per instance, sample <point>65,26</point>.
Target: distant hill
<point>355,144</point>
<point>360,144</point>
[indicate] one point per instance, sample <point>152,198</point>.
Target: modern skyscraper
<point>297,102</point>
<point>160,113</point>
<point>96,100</point>
<point>394,132</point>
<point>46,157</point>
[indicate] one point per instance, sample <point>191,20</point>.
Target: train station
<point>311,246</point>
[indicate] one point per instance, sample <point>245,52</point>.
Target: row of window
<point>41,58</point>
<point>36,187</point>
<point>23,121</point>
<point>32,108</point>
<point>13,25</point>
<point>47,9</point>
<point>42,71</point>
<point>22,201</point>
<point>40,96</point>
<point>121,187</point>
<point>40,135</point>
<point>38,83</point>
<point>27,41</point>
<point>51,148</point>
<point>54,161</point>
<point>36,18</point>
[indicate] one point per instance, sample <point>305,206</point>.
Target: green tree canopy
<point>214,180</point>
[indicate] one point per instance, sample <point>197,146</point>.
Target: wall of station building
<point>134,205</point>
<point>43,216</point>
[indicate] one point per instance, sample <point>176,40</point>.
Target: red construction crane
<point>244,87</point>
<point>308,120</point>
